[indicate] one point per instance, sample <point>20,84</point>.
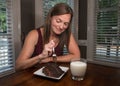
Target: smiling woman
<point>54,33</point>
<point>60,23</point>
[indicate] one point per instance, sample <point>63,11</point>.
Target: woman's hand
<point>47,51</point>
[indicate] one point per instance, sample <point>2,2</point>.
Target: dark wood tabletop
<point>96,75</point>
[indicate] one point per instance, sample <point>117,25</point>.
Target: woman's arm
<point>73,49</point>
<point>24,60</point>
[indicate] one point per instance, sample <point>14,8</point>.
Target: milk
<point>78,68</point>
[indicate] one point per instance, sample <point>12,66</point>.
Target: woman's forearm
<point>64,58</point>
<point>23,64</point>
<point>67,57</point>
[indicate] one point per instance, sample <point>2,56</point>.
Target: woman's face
<point>60,23</point>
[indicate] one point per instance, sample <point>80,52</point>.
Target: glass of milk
<point>78,68</point>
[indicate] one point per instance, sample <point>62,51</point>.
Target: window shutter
<point>107,32</point>
<point>7,60</point>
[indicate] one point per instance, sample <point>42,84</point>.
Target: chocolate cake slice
<point>52,70</point>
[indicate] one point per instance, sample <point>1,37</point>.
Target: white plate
<point>40,73</point>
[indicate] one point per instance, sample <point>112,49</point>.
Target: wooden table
<point>96,75</point>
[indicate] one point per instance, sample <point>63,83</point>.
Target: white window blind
<point>107,32</point>
<point>7,60</point>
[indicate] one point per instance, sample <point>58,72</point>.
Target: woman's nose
<point>61,26</point>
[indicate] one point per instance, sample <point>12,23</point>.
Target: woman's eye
<point>66,24</point>
<point>58,21</point>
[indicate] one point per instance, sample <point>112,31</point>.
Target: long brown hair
<point>58,9</point>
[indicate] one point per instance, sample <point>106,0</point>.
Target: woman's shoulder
<point>35,31</point>
<point>72,37</point>
<point>32,34</point>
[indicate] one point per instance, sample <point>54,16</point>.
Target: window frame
<point>91,25</point>
<point>16,32</point>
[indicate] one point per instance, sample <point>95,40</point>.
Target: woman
<point>55,33</point>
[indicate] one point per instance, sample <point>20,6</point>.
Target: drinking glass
<point>78,68</point>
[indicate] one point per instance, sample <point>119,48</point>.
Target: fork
<point>54,55</point>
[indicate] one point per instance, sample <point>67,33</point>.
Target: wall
<point>27,17</point>
<point>17,26</point>
<point>82,27</point>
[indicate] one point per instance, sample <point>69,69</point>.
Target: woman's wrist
<point>50,59</point>
<point>40,57</point>
<point>54,59</point>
